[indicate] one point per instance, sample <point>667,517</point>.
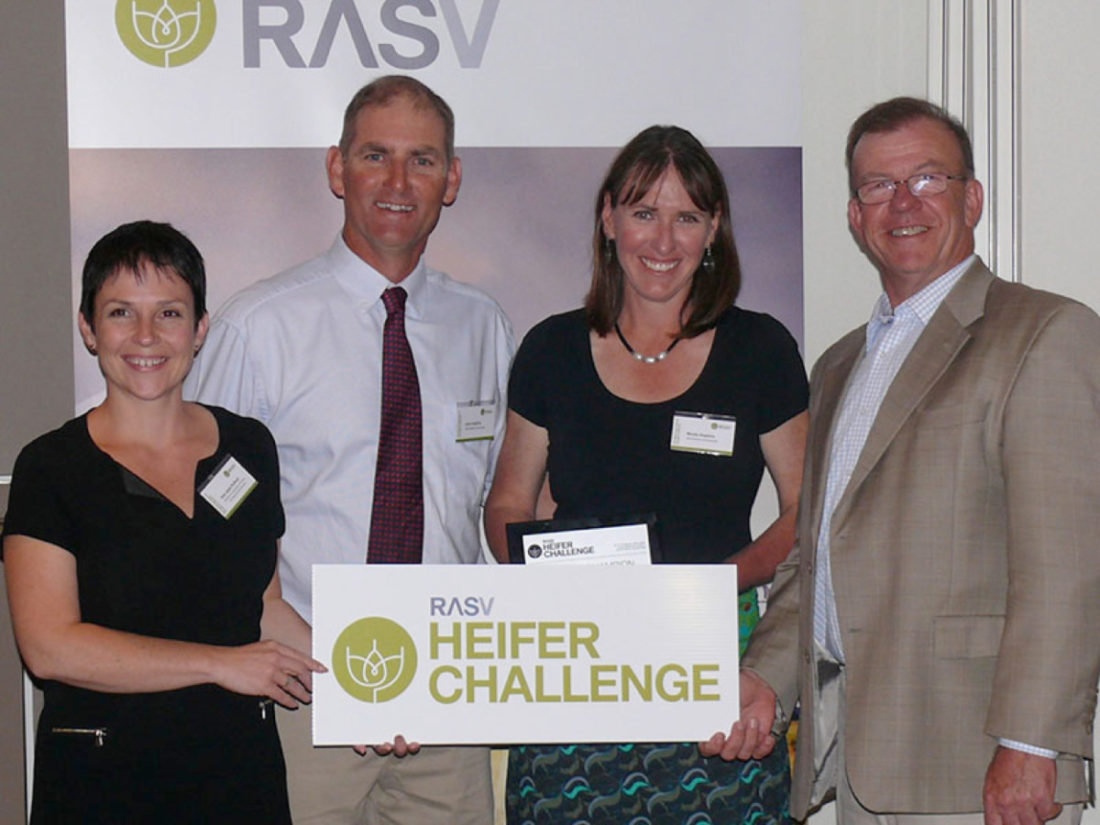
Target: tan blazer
<point>965,555</point>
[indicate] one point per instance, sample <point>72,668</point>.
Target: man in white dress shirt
<point>302,352</point>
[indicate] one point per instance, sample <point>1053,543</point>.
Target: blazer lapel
<point>835,370</point>
<point>937,347</point>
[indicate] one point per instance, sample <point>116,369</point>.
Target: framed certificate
<point>621,540</point>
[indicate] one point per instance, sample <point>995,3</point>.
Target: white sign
<point>447,654</point>
<point>278,73</point>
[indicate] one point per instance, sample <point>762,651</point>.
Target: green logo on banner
<point>166,33</point>
<point>374,659</point>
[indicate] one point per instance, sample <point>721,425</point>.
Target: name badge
<point>476,420</point>
<point>703,433</point>
<point>228,486</point>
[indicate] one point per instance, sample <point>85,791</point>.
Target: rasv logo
<point>280,22</point>
<point>374,659</point>
<point>166,33</point>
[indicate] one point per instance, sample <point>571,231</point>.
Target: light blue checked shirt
<point>891,334</point>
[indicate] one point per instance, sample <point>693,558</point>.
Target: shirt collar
<point>922,306</point>
<point>363,282</point>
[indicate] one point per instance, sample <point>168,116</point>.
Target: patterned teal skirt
<point>657,784</point>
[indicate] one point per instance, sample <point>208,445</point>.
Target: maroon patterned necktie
<point>397,519</point>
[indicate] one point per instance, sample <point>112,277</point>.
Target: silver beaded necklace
<point>645,359</point>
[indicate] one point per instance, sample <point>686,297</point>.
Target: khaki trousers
<point>336,786</point>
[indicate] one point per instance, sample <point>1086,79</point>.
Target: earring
<point>708,262</point>
<point>608,251</point>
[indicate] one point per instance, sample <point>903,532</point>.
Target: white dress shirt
<point>302,352</point>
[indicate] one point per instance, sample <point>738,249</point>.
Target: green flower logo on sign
<point>374,659</point>
<point>166,33</point>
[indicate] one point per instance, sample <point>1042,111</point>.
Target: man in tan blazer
<point>939,617</point>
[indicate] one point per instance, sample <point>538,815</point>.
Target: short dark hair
<point>383,90</point>
<point>632,174</point>
<point>131,245</point>
<point>892,114</point>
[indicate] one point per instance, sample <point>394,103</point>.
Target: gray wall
<point>36,373</point>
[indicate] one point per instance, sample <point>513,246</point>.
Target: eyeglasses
<point>922,185</point>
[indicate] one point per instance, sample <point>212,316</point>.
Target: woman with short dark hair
<point>139,549</point>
